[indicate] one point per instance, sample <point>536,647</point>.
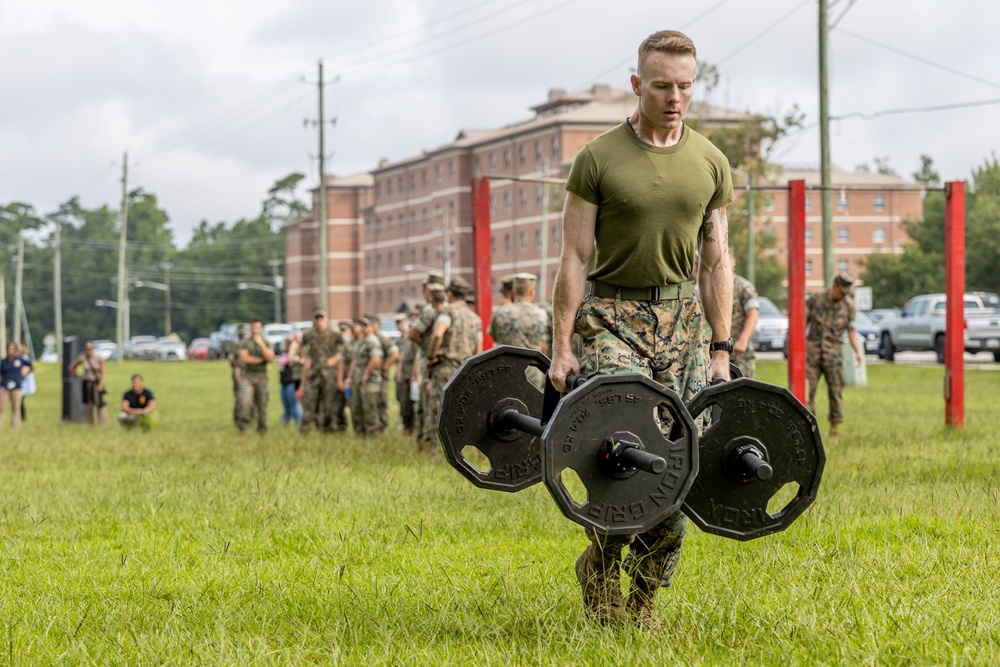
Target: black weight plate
<point>467,404</point>
<point>600,408</point>
<point>720,504</point>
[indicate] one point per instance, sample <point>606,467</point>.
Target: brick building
<point>347,198</point>
<point>868,212</point>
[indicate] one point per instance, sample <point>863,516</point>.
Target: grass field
<point>187,545</point>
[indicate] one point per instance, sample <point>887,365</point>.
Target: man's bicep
<point>579,225</point>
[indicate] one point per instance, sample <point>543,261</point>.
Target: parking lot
<point>983,360</point>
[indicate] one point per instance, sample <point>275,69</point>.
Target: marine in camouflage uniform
<point>745,310</point>
<point>390,355</point>
<point>828,315</point>
<point>404,375</point>
<point>236,367</point>
<point>523,323</point>
<point>255,354</point>
<point>420,333</point>
<point>456,336</point>
<point>366,382</point>
<point>640,197</point>
<point>324,348</point>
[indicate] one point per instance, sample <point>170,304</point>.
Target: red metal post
<point>954,287</point>
<point>482,260</point>
<point>797,289</point>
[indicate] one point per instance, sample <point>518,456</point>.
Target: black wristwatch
<point>726,345</point>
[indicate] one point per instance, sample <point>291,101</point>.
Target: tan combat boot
<point>834,435</point>
<point>641,605</point>
<point>599,576</point>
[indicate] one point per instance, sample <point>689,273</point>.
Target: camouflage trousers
<point>364,404</point>
<point>253,400</point>
<point>319,398</point>
<point>831,366</point>
<point>407,407</point>
<point>666,341</point>
<point>438,376</point>
<point>746,362</point>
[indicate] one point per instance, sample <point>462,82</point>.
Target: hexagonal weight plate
<point>470,404</point>
<point>721,501</point>
<point>604,406</point>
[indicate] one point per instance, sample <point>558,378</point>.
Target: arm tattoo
<point>724,223</point>
<point>707,228</point>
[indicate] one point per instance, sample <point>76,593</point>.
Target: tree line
<point>203,276</point>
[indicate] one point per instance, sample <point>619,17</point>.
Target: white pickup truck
<point>920,326</point>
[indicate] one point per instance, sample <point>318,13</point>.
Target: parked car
<point>868,333</point>
<point>106,349</point>
<point>388,327</point>
<point>275,334</point>
<point>171,349</point>
<point>772,327</point>
<point>201,349</point>
<point>879,314</point>
<point>920,326</point>
<point>141,347</point>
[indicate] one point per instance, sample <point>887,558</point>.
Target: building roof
<point>840,177</point>
<point>597,105</point>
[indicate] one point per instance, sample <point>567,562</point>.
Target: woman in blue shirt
<point>13,368</point>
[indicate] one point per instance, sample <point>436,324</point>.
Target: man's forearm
<point>717,298</point>
<point>571,283</point>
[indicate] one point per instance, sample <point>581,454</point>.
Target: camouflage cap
<point>243,329</point>
<point>507,282</point>
<point>844,279</point>
<point>399,318</point>
<point>344,326</point>
<point>319,312</point>
<point>525,279</point>
<point>459,286</point>
<point>434,277</point>
<point>435,288</point>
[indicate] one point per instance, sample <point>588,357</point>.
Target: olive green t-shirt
<point>255,350</point>
<point>651,203</point>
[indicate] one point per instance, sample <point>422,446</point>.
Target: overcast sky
<point>209,98</point>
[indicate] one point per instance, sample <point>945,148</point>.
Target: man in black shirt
<point>138,406</point>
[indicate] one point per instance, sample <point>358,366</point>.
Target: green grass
<point>188,545</point>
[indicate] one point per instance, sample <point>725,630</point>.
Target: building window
<point>437,173</point>
<point>493,246</point>
<point>368,263</point>
<point>555,237</point>
<point>451,250</point>
<point>843,235</point>
<point>451,213</point>
<point>522,154</point>
<point>390,295</point>
<point>506,158</point>
<point>402,258</point>
<point>451,169</point>
<point>768,202</point>
<point>538,240</point>
<point>555,146</point>
<point>523,241</point>
<point>378,190</point>
<point>809,203</point>
<point>388,259</point>
<point>413,255</point>
<point>413,219</point>
<point>493,162</point>
<point>809,267</point>
<point>879,202</point>
<point>439,251</point>
<point>378,298</point>
<point>423,178</point>
<point>538,194</point>
<point>413,186</point>
<point>809,234</point>
<point>843,265</point>
<point>425,219</point>
<point>506,201</point>
<point>426,254</point>
<point>388,187</point>
<point>538,150</point>
<point>878,235</point>
<point>506,244</point>
<point>438,217</point>
<point>476,169</point>
<point>368,299</point>
<point>388,224</point>
<point>378,262</point>
<point>842,201</point>
<point>524,197</point>
<point>493,204</point>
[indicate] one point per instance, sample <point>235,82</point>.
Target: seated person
<point>138,406</point>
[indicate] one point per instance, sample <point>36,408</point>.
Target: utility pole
<point>274,263</point>
<point>18,283</point>
<point>121,311</point>
<point>57,287</point>
<point>751,233</point>
<point>824,146</point>
<point>166,266</point>
<point>545,233</point>
<point>323,247</point>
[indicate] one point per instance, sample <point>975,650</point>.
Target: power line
<point>939,107</point>
<point>766,30</point>
<point>921,59</point>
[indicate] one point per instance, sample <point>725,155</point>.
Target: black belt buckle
<point>654,293</point>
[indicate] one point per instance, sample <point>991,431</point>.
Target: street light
<point>267,288</point>
<point>166,308</point>
<point>125,316</point>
